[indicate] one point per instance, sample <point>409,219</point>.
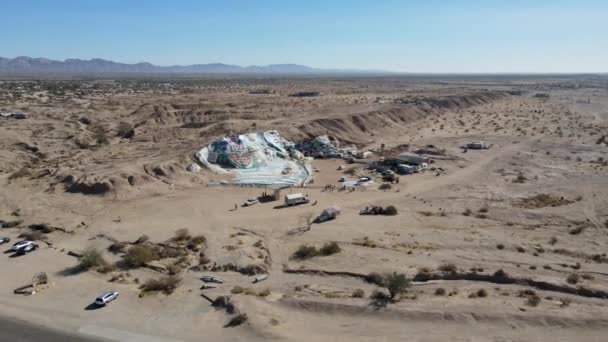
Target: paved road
<point>19,331</point>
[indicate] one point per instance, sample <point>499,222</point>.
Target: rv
<point>295,199</point>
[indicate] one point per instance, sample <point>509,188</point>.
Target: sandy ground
<point>538,146</point>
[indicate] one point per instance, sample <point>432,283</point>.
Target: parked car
<point>20,245</point>
<point>342,179</point>
<point>106,297</point>
<point>26,249</point>
<point>251,201</point>
<point>4,240</point>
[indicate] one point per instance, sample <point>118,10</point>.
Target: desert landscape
<point>506,242</point>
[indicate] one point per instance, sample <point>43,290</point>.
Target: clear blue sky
<point>413,36</point>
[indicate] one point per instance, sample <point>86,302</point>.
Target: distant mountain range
<point>27,66</point>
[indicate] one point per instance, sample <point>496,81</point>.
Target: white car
<point>22,245</point>
<point>4,240</point>
<point>106,297</point>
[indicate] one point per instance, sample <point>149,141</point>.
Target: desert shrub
<point>350,171</point>
<point>117,247</point>
<point>123,129</point>
<point>501,274</point>
<point>169,252</point>
<point>390,210</point>
<point>533,300</point>
<point>237,320</point>
<point>483,209</point>
<point>500,246</point>
<point>174,269</point>
<point>358,293</point>
<point>426,213</point>
<point>375,278</point>
<point>396,283</point>
<point>520,179</point>
<point>385,186</point>
<point>198,239</point>
<point>264,293</point>
<point>587,277</point>
<point>330,248</point>
<point>379,296</point>
<point>440,291</point>
<point>237,289</point>
<point>482,293</point>
<point>142,239</point>
<point>305,252</point>
<point>32,236</point>
<point>520,249</point>
<point>467,212</point>
<point>448,268</point>
<point>182,234</point>
<point>573,278</point>
<point>165,284</point>
<point>139,255</point>
<point>576,230</point>
<point>90,258</point>
<point>106,268</point>
<point>481,216</point>
<point>101,136</point>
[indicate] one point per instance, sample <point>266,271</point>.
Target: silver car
<point>106,297</point>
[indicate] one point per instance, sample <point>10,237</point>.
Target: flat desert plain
<point>507,243</point>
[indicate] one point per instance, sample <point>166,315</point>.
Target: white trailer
<point>295,199</point>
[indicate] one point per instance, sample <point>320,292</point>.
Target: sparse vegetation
<point>358,293</point>
<point>440,291</point>
<point>166,284</point>
<point>448,268</point>
<point>396,283</point>
<point>573,279</point>
<point>139,255</point>
<point>330,248</point>
<point>90,258</point>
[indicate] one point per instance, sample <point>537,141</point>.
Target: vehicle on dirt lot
<point>106,297</point>
<point>4,240</point>
<point>28,248</point>
<point>21,245</point>
<point>251,201</point>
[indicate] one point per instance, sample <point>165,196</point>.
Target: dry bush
<point>375,278</point>
<point>142,239</point>
<point>198,239</point>
<point>330,248</point>
<point>165,284</point>
<point>123,129</point>
<point>32,236</point>
<point>358,293</point>
<point>426,213</point>
<point>467,212</point>
<point>390,210</point>
<point>305,252</point>
<point>90,258</point>
<point>385,186</point>
<point>174,269</point>
<point>440,291</point>
<point>139,255</point>
<point>264,293</point>
<point>396,283</point>
<point>117,247</point>
<point>365,242</point>
<point>533,300</point>
<point>182,234</point>
<point>500,246</point>
<point>448,268</point>
<point>237,290</point>
<point>573,278</point>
